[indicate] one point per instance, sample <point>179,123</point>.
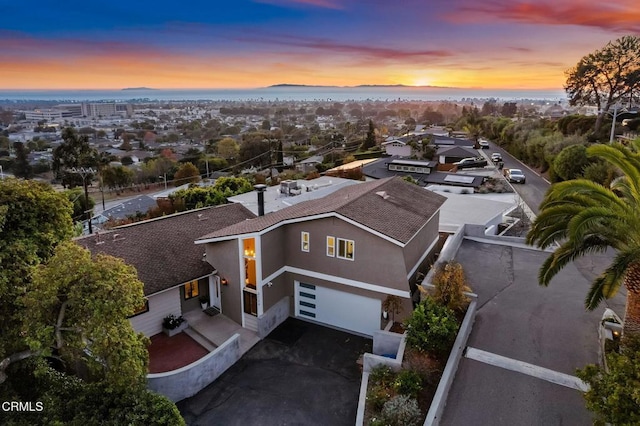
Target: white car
<point>483,144</point>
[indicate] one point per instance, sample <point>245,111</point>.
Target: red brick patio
<point>170,353</point>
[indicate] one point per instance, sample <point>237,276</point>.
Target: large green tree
<point>21,167</point>
<point>77,305</point>
<point>370,139</point>
<point>34,219</point>
<point>583,217</point>
<point>606,77</point>
<point>74,153</point>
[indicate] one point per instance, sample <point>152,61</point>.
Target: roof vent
<point>383,194</point>
<point>117,237</point>
<point>98,240</point>
<point>202,217</point>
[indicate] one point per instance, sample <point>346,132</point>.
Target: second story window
<point>304,243</point>
<point>345,249</point>
<point>331,246</point>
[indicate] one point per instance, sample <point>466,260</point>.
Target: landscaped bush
<point>432,327</point>
<point>613,395</point>
<point>382,375</point>
<point>451,285</point>
<point>408,382</point>
<point>401,410</point>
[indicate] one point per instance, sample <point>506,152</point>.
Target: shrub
<point>451,284</point>
<point>431,327</point>
<point>377,396</point>
<point>613,395</point>
<point>382,375</point>
<point>401,411</point>
<point>408,383</point>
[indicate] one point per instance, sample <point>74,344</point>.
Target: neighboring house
<point>173,269</point>
<point>423,172</point>
<point>309,164</point>
<point>332,260</point>
<point>449,155</point>
<point>397,147</point>
<point>441,141</point>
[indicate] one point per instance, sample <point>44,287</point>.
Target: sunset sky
<point>509,44</point>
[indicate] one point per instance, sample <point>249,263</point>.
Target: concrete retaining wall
<point>448,252</point>
<point>442,392</point>
<point>275,316</point>
<point>384,343</point>
<point>191,379</point>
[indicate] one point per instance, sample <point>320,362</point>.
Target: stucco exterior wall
<point>273,251</point>
<point>160,305</point>
<point>376,261</point>
<point>427,236</point>
<point>273,294</point>
<point>224,257</point>
<point>191,379</point>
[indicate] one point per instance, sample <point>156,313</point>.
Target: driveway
<point>301,374</point>
<point>520,322</point>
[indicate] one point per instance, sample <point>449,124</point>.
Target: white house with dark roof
<point>173,269</point>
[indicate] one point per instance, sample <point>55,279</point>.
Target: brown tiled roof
<point>163,249</point>
<point>391,206</point>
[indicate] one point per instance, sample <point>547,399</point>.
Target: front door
<point>214,292</point>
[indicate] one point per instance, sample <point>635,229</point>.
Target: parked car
<point>515,175</point>
<point>471,162</point>
<point>483,144</point>
<point>496,157</point>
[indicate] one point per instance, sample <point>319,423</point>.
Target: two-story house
<point>332,260</point>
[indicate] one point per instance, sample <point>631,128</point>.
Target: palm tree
<point>583,217</point>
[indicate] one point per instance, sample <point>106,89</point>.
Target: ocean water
<point>336,94</point>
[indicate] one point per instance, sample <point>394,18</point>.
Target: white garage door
<point>338,308</point>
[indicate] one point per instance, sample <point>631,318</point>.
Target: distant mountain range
<point>360,85</point>
<point>138,88</point>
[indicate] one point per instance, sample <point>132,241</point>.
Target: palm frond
<point>624,159</point>
<point>602,221</point>
<point>585,191</point>
<point>608,283</point>
<point>568,252</point>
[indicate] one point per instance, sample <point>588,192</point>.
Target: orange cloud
<point>623,15</point>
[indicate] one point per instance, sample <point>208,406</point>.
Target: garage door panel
<point>338,308</point>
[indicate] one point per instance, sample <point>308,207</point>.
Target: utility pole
<point>85,172</point>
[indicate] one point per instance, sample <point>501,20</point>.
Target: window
<point>249,251</point>
<point>345,249</point>
<point>191,289</point>
<point>305,241</point>
<point>141,309</point>
<point>250,303</point>
<point>331,246</point>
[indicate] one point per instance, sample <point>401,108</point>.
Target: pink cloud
<point>356,51</point>
<point>622,15</point>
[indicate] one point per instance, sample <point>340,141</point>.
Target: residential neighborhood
<point>331,261</point>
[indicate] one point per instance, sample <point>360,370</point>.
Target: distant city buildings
<point>84,109</point>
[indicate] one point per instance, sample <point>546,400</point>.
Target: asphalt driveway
<point>301,374</point>
<point>546,327</point>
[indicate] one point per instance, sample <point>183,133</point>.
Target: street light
<point>616,108</point>
<point>165,180</point>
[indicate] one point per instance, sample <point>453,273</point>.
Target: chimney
<point>260,188</point>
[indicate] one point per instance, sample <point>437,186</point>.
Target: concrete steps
<point>202,340</point>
